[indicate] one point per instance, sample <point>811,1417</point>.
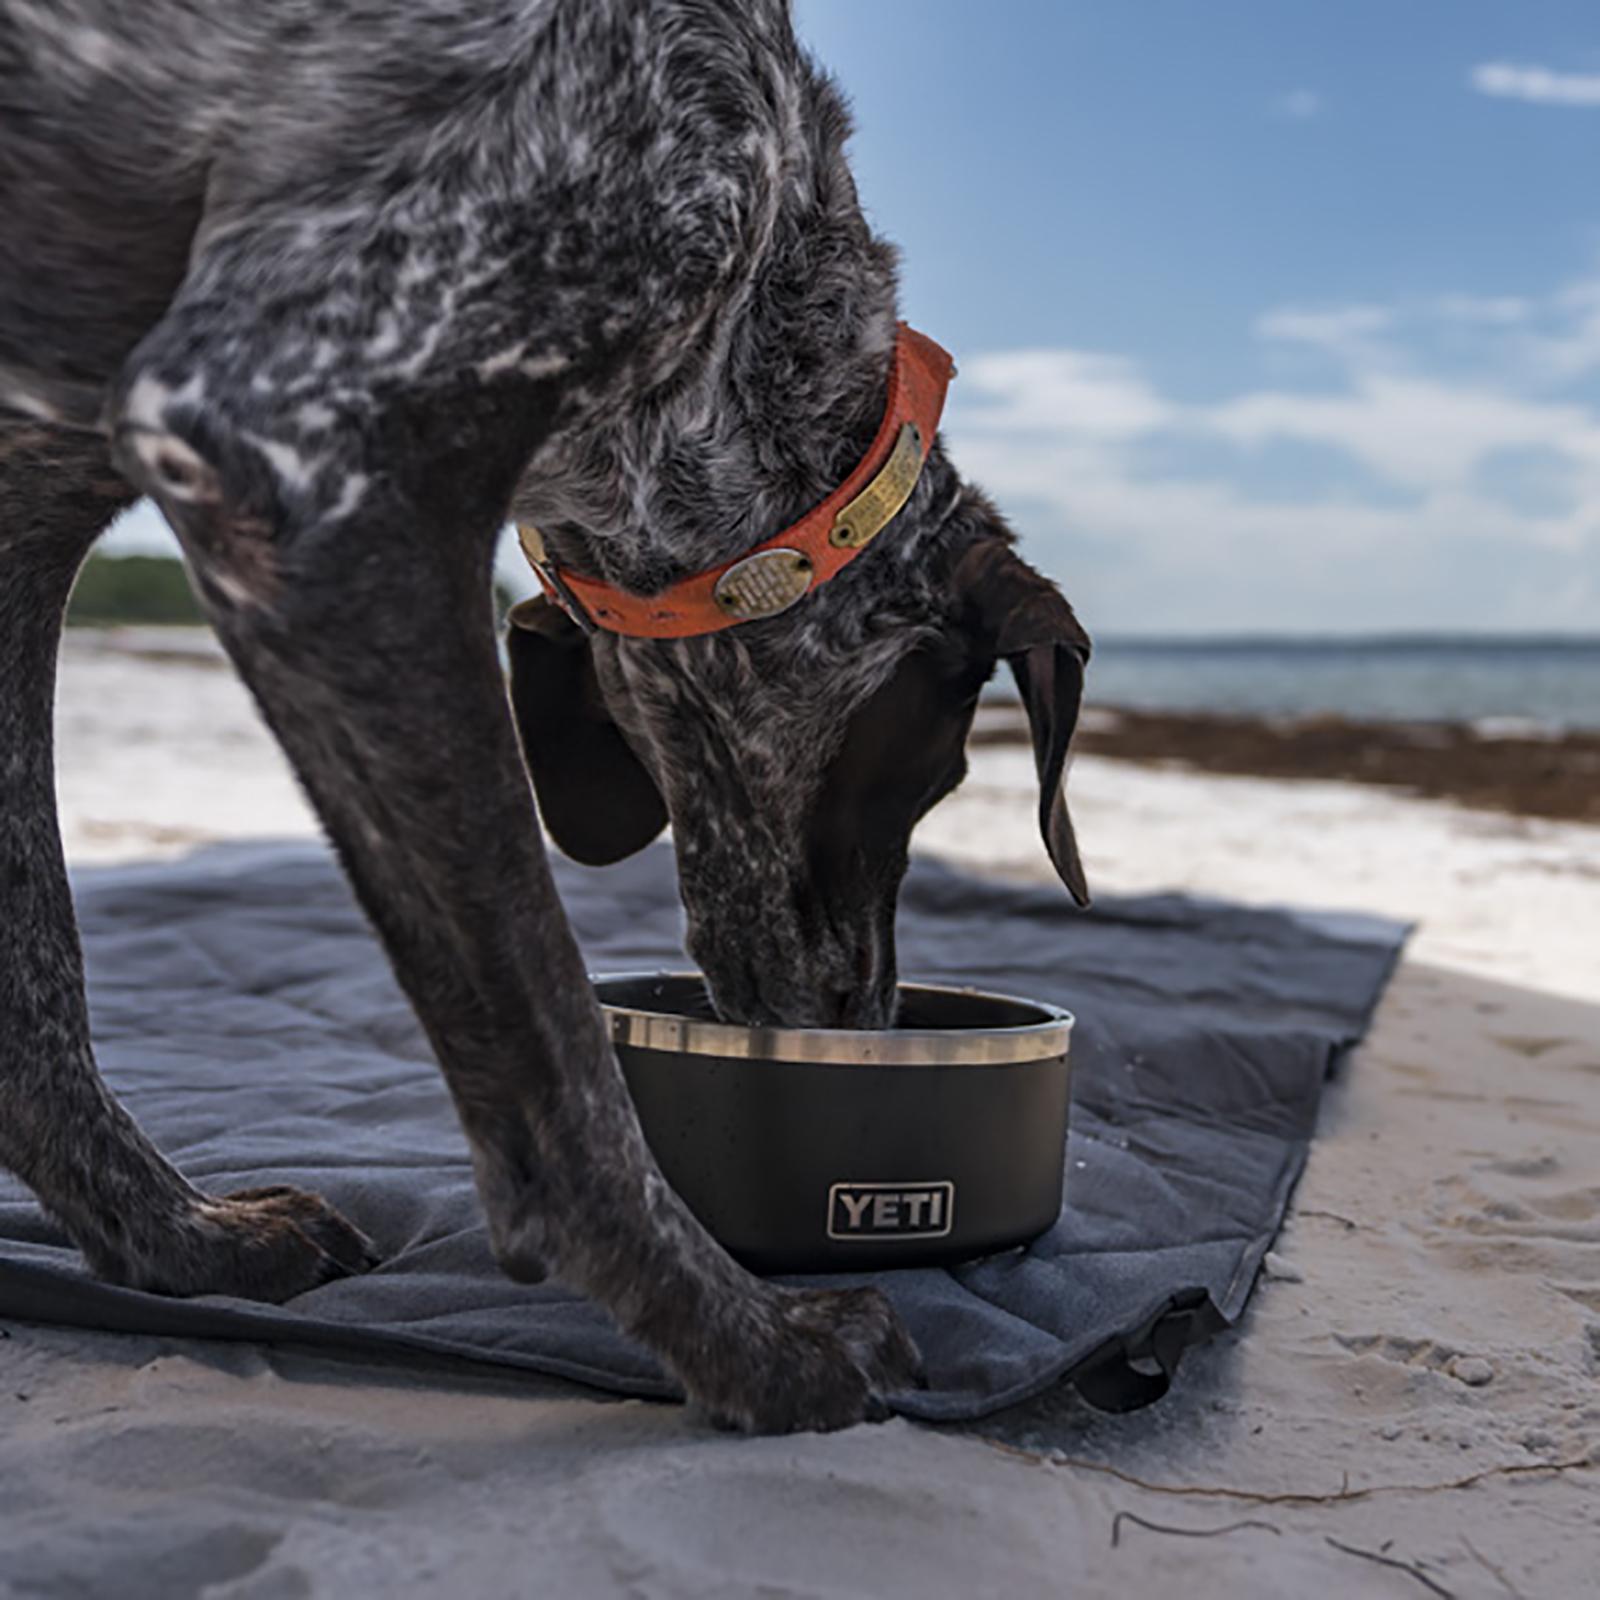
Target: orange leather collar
<point>787,567</point>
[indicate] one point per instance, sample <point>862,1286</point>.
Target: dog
<point>342,288</point>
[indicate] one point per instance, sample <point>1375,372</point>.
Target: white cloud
<point>1405,511</point>
<point>1507,80</point>
<point>1568,350</point>
<point>1096,396</point>
<point>1503,309</point>
<point>140,531</point>
<point>1409,524</point>
<point>1334,328</point>
<point>1416,432</point>
<point>1300,105</point>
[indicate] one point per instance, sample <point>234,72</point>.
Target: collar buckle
<point>794,563</point>
<point>555,586</point>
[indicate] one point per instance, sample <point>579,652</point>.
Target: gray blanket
<point>246,1016</point>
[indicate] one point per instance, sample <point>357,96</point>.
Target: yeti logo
<point>891,1210</point>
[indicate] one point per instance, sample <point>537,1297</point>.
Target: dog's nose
<point>740,995</point>
<point>814,982</point>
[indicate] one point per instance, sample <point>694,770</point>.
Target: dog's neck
<point>767,408</point>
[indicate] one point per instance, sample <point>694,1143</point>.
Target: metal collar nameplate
<point>787,567</point>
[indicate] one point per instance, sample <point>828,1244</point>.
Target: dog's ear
<point>1014,613</point>
<point>595,796</point>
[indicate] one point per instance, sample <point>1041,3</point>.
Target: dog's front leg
<point>351,587</point>
<point>62,1132</point>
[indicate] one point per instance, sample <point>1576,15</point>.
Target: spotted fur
<point>340,282</point>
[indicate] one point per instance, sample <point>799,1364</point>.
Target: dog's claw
<point>257,1244</point>
<point>284,1235</point>
<point>822,1360</point>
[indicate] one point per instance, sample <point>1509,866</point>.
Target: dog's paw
<point>258,1244</point>
<point>817,1360</point>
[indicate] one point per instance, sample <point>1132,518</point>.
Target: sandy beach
<point>1411,1405</point>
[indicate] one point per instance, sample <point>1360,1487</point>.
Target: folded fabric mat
<point>246,1016</point>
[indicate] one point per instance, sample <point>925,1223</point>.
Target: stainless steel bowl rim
<point>1045,1040</point>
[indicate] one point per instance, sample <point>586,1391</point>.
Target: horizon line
<point>1379,638</point>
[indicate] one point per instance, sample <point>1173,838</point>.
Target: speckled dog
<point>342,283</point>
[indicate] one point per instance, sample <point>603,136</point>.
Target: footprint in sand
<point>1524,1206</point>
<point>1540,1165</point>
<point>1520,1215</point>
<point>1425,1353</point>
<point>1529,1045</point>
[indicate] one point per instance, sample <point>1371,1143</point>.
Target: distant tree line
<point>153,591</point>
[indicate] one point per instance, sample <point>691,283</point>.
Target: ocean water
<point>1552,683</point>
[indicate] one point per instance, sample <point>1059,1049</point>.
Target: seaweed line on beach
<point>1551,774</point>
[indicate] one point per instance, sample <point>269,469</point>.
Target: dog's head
<point>793,758</point>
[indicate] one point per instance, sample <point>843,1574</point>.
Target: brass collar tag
<point>794,563</point>
<point>764,584</point>
<point>860,522</point>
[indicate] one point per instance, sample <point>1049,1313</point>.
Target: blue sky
<point>1272,315</point>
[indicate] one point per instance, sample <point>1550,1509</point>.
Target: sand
<point>1418,1377</point>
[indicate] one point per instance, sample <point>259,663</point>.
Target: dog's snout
<point>808,986</point>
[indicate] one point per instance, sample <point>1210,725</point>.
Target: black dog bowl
<point>829,1150</point>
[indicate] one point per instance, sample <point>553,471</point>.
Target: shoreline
<point>163,753</point>
<point>1514,766</point>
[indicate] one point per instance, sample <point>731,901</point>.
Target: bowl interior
<point>922,1008</point>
